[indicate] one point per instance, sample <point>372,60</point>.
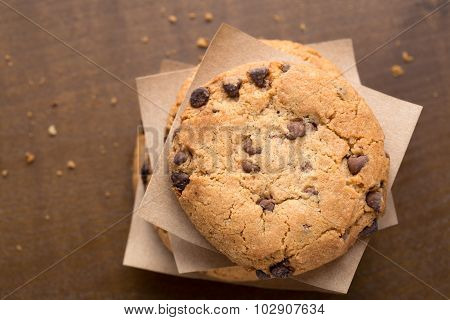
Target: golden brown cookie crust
<point>294,205</point>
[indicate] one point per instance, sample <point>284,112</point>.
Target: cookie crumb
<point>208,17</point>
<point>202,42</point>
<point>192,15</point>
<point>52,131</point>
<point>7,57</point>
<point>4,173</point>
<point>435,94</point>
<point>145,39</point>
<point>71,164</point>
<point>29,157</point>
<point>107,194</point>
<point>29,114</point>
<point>407,57</point>
<point>59,173</point>
<point>19,247</point>
<point>397,71</point>
<point>47,217</point>
<point>113,101</point>
<point>302,27</point>
<point>277,18</point>
<point>172,19</point>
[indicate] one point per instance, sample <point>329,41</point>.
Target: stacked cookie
<point>281,167</point>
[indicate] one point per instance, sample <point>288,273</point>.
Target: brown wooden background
<point>48,216</point>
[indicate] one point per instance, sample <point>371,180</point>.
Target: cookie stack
<point>280,166</point>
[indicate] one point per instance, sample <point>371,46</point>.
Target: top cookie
<point>279,167</point>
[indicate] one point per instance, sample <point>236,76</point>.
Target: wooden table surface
<point>44,216</point>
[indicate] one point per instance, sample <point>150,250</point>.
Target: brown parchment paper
<point>313,275</point>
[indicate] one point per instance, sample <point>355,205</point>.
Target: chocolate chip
<point>145,171</point>
<point>232,86</point>
<point>285,67</point>
<point>311,190</point>
<point>306,166</point>
<point>199,97</point>
<point>180,180</point>
<point>369,229</point>
<point>281,269</point>
<point>296,129</point>
<point>356,163</point>
<point>249,167</point>
<point>247,145</point>
<point>261,275</point>
<point>374,199</point>
<point>180,157</point>
<point>258,76</point>
<point>267,204</point>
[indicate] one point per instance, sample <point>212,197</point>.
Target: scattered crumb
<point>145,39</point>
<point>162,10</point>
<point>29,114</point>
<point>7,57</point>
<point>277,17</point>
<point>107,194</point>
<point>192,15</point>
<point>4,173</point>
<point>71,164</point>
<point>208,17</point>
<point>59,173</point>
<point>172,19</point>
<point>115,144</point>
<point>407,57</point>
<point>202,42</point>
<point>42,80</point>
<point>18,247</point>
<point>52,131</point>
<point>302,27</point>
<point>54,104</point>
<point>47,217</point>
<point>435,94</point>
<point>397,70</point>
<point>29,157</point>
<point>10,63</point>
<point>113,101</point>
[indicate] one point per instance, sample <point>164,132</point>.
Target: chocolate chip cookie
<point>280,167</point>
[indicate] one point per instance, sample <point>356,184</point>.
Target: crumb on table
<point>59,173</point>
<point>52,130</point>
<point>29,157</point>
<point>4,173</point>
<point>145,39</point>
<point>208,17</point>
<point>192,15</point>
<point>71,164</point>
<point>172,19</point>
<point>397,70</point>
<point>407,57</point>
<point>202,42</point>
<point>302,27</point>
<point>113,101</point>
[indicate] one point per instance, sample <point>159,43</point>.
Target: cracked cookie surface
<point>283,176</point>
